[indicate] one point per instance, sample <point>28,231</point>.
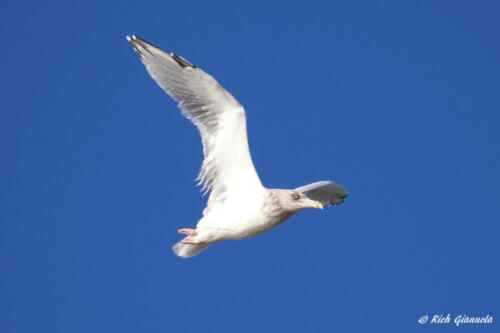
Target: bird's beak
<point>318,205</point>
<point>314,204</point>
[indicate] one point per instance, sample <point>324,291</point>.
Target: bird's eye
<point>296,196</point>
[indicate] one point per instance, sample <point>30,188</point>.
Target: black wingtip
<point>181,61</point>
<point>135,41</point>
<point>138,45</point>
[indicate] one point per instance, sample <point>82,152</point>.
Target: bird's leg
<point>187,231</point>
<point>189,240</point>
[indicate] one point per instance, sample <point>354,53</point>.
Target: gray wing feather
<point>220,119</point>
<point>326,192</point>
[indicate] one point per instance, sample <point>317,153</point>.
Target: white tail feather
<point>189,250</point>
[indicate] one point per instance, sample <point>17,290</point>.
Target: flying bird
<point>239,206</point>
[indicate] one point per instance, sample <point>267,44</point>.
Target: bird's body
<point>239,217</point>
<point>244,215</point>
<point>239,205</point>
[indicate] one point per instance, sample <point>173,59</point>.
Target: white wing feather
<point>220,119</point>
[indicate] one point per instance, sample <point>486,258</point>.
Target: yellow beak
<point>315,204</point>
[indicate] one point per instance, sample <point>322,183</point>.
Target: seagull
<point>239,206</point>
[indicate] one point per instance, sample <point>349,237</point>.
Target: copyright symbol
<point>423,319</point>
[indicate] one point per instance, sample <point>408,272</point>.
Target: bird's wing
<point>326,192</point>
<point>220,119</point>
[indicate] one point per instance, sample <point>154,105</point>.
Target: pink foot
<point>187,231</point>
<point>189,240</point>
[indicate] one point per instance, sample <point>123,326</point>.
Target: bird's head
<point>293,201</point>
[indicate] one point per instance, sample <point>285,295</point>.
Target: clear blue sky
<point>398,101</point>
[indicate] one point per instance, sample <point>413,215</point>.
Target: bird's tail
<point>189,250</point>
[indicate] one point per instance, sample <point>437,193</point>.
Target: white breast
<point>242,216</point>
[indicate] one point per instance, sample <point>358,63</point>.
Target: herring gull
<point>239,206</point>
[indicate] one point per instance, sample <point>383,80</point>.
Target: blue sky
<point>396,100</point>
